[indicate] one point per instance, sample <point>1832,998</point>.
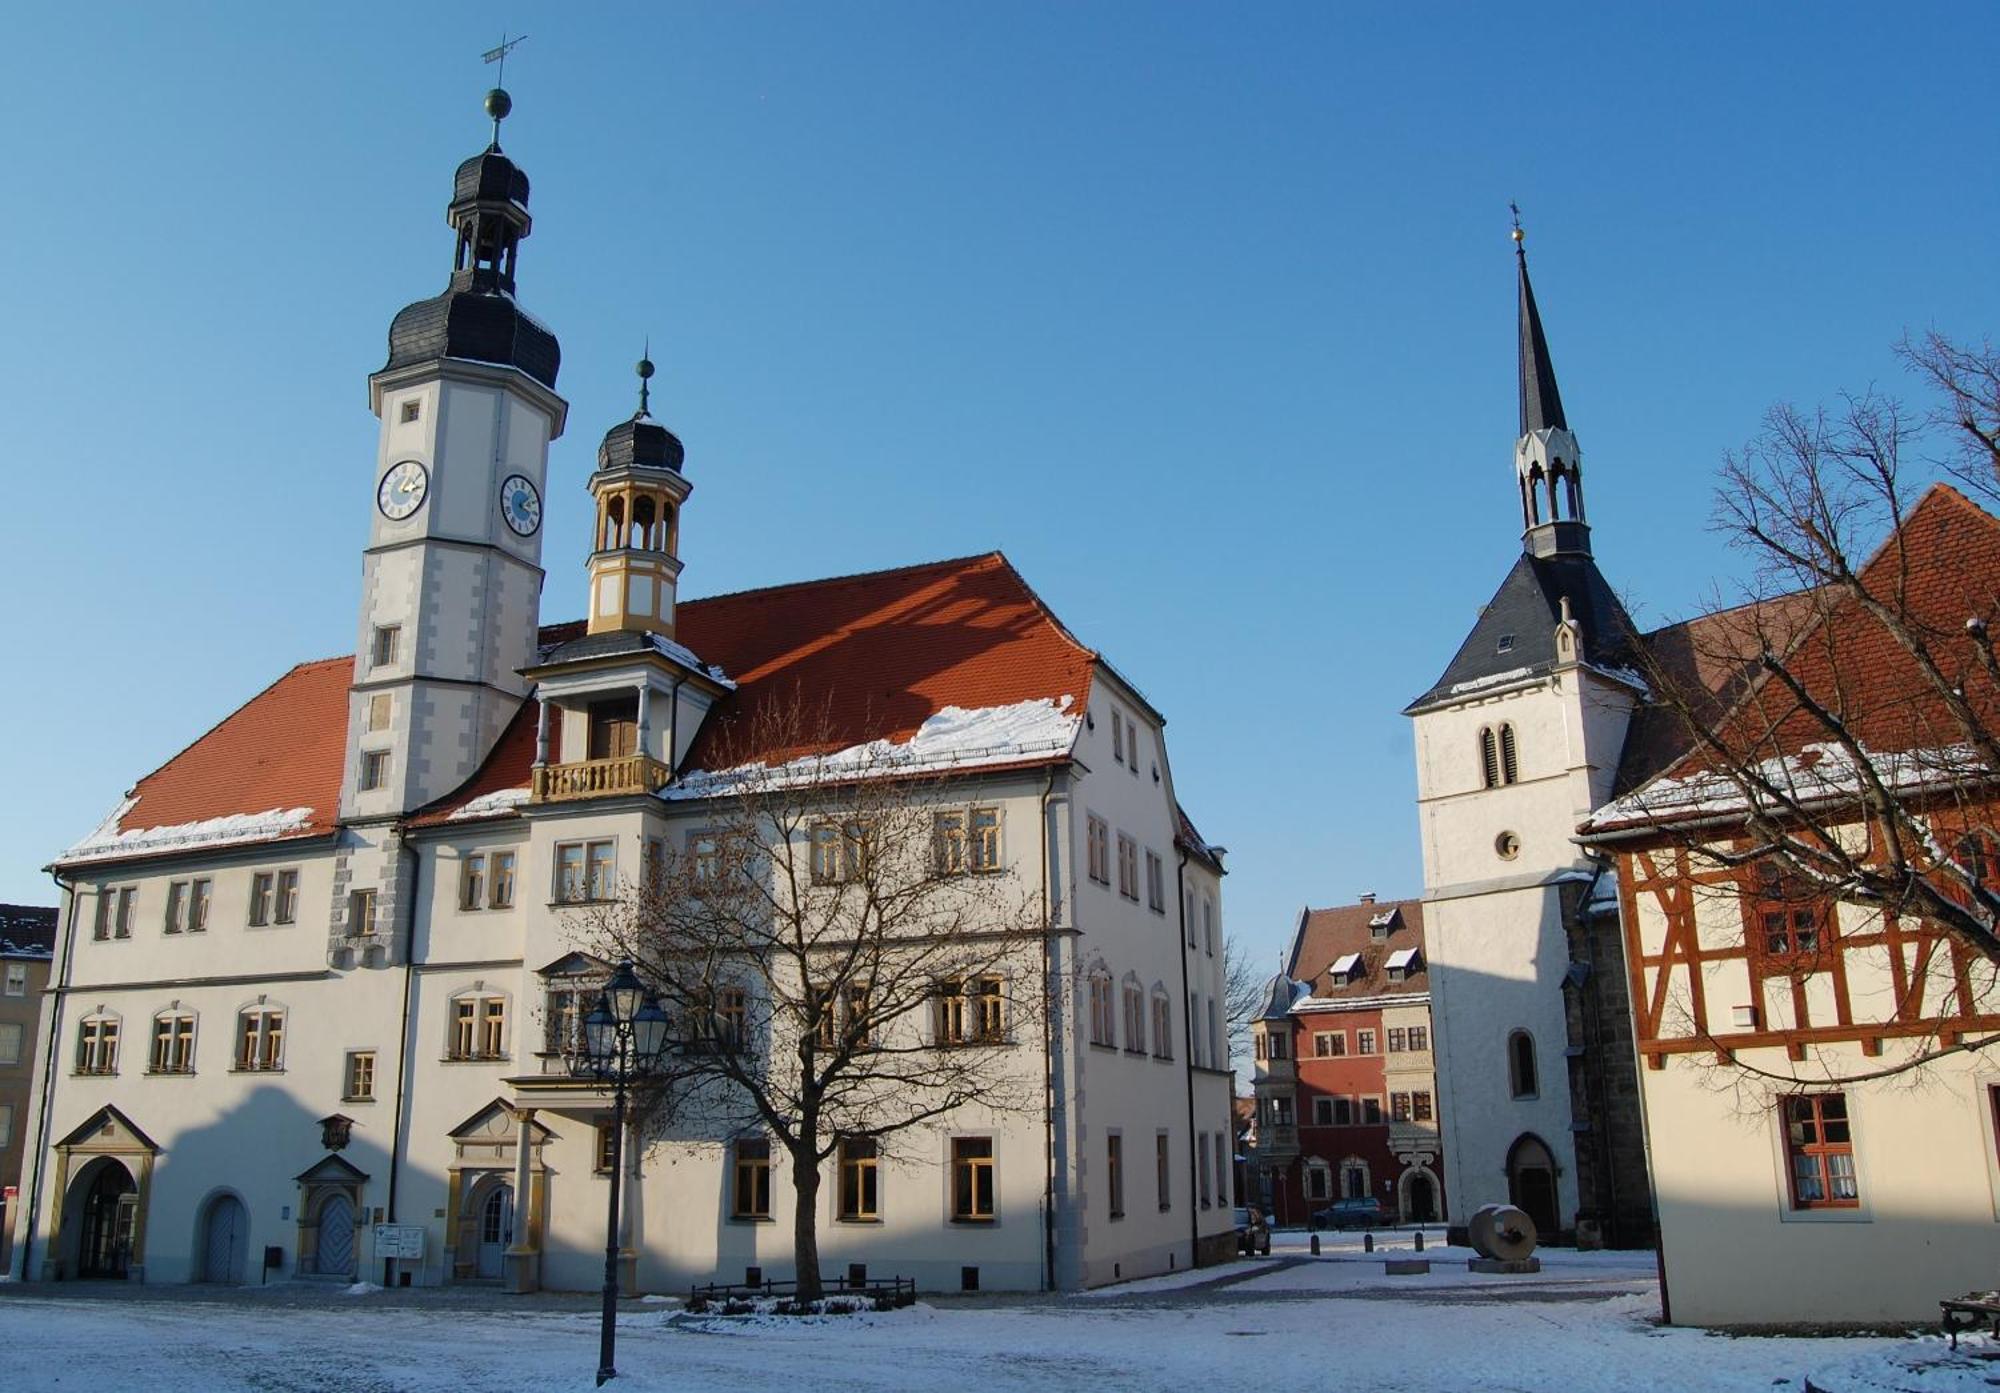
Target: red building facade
<point>1347,1099</point>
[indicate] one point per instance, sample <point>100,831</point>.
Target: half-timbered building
<point>1821,1100</point>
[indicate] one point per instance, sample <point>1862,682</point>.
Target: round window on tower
<point>1507,846</point>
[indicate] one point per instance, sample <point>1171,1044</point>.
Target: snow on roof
<point>1384,919</point>
<point>1345,964</point>
<point>953,739</point>
<point>1817,774</point>
<point>1402,958</point>
<point>499,800</point>
<point>107,841</point>
<point>1495,679</point>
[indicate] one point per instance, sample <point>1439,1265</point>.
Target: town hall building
<point>308,1001</point>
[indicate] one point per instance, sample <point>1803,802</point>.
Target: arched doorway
<point>496,1230</point>
<point>334,1257</point>
<point>223,1247</point>
<point>108,1208</point>
<point>1531,1183</point>
<point>1420,1204</point>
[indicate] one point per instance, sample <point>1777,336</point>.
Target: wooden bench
<point>1969,1312</point>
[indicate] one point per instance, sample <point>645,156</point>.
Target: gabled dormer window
<point>1403,962</point>
<point>1346,968</point>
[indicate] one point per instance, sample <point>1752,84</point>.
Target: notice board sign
<point>404,1241</point>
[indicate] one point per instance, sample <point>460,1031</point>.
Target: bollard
<point>1420,1240</point>
<point>1315,1245</point>
<point>1367,1242</point>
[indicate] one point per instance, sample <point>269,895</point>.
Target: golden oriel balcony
<point>597,778</point>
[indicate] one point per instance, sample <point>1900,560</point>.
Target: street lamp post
<point>624,1037</point>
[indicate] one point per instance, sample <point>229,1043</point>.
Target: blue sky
<point>1202,313</point>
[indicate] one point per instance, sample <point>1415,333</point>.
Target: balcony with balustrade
<point>598,778</point>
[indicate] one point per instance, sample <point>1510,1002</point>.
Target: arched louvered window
<point>1489,757</point>
<point>1509,769</point>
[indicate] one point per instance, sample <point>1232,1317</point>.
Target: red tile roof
<point>282,749</point>
<point>1326,935</point>
<point>886,651</point>
<point>1945,559</point>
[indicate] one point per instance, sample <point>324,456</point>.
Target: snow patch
<point>500,800</point>
<point>360,1289</point>
<point>955,738</point>
<point>1512,674</point>
<point>108,840</point>
<point>1817,773</point>
<point>683,655</point>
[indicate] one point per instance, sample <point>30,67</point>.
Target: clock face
<point>520,504</point>
<point>402,490</point>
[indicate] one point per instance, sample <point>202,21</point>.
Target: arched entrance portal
<point>1420,1196</point>
<point>107,1208</point>
<point>222,1249</point>
<point>1531,1183</point>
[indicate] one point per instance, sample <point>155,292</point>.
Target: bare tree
<point>1242,995</point>
<point>844,955</point>
<point>1850,694</point>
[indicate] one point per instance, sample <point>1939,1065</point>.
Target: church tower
<point>452,576</point>
<point>1517,742</point>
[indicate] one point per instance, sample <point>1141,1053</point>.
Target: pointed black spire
<point>1541,403</point>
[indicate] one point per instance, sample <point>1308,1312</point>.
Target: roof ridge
<point>938,565</point>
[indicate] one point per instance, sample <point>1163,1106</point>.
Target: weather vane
<point>645,370</point>
<point>499,55</point>
<point>1519,236</point>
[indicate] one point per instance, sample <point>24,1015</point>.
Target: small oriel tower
<point>635,557</point>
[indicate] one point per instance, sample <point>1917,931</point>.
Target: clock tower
<point>452,576</point>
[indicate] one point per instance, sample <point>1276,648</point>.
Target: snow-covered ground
<point>1584,1324</point>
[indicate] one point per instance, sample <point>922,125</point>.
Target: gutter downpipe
<point>48,1077</point>
<point>1187,1055</point>
<point>1048,1054</point>
<point>403,847</point>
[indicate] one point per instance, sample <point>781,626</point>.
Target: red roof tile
<point>886,651</point>
<point>1327,935</point>
<point>282,749</point>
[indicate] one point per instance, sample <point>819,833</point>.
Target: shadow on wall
<point>267,1173</point>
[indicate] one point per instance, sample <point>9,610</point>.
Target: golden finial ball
<point>1519,235</point>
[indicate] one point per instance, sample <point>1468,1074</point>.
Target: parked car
<point>1253,1235</point>
<point>1364,1213</point>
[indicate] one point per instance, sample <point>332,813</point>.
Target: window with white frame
<point>1364,1041</point>
<point>1319,1181</point>
<point>358,1078</point>
<point>173,1043</point>
<point>860,1198</point>
<point>973,1194</point>
<point>285,901</point>
<point>97,1045</point>
<point>839,850</point>
<point>360,912</point>
<point>263,888</point>
<point>1208,924</point>
<point>1156,882</point>
<point>115,905</point>
<point>1322,1112</point>
<point>17,979</point>
<point>1118,736</point>
<point>260,1039</point>
<point>11,1035</point>
<point>472,881</point>
<point>187,906</point>
<point>566,1000</point>
<point>387,642</point>
<point>1103,1015</point>
<point>6,1125</point>
<point>374,769</point>
<point>1098,848</point>
<point>500,872</point>
<point>1163,1024</point>
<point>1218,1053</point>
<point>971,1010</point>
<point>750,1192</point>
<point>1329,1044</point>
<point>478,1026</point>
<point>1202,1185</point>
<point>1135,1016</point>
<point>1187,915</point>
<point>1163,1170</point>
<point>585,871</point>
<point>1128,867</point>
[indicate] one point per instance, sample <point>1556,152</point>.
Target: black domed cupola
<point>641,441</point>
<point>476,317</point>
